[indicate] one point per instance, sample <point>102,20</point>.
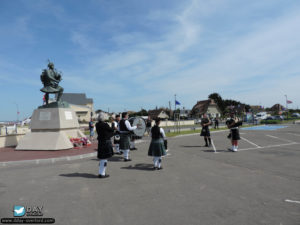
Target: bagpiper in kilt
<point>157,146</point>
<point>205,122</point>
<point>105,150</point>
<point>125,132</point>
<point>233,124</point>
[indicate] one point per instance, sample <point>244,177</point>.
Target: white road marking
<point>298,135</point>
<point>292,201</point>
<point>279,138</point>
<point>212,142</point>
<point>251,142</point>
<point>270,146</point>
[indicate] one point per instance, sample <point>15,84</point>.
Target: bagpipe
<point>233,123</point>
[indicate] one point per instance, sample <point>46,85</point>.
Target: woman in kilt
<point>105,149</point>
<point>157,148</point>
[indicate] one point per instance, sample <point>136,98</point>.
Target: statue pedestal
<point>51,129</point>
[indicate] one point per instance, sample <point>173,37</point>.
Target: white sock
<point>126,153</point>
<point>102,166</point>
<point>117,147</point>
<point>159,162</point>
<point>156,161</point>
<point>132,145</point>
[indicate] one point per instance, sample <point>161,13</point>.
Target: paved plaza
<point>259,184</point>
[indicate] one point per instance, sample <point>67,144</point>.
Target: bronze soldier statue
<point>50,79</point>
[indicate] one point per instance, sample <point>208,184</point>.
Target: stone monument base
<point>51,129</point>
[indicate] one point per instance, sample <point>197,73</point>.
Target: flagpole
<point>175,107</point>
<point>286,106</point>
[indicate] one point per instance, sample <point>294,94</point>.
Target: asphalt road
<point>260,184</point>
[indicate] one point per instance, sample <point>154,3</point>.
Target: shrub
<point>270,121</point>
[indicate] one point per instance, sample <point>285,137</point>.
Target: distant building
<point>237,109</point>
<point>256,108</point>
<point>83,106</point>
<point>206,106</point>
<point>158,113</point>
<point>185,113</point>
<point>277,108</point>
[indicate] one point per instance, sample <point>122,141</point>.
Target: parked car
<point>296,115</point>
<point>270,118</point>
<point>278,117</point>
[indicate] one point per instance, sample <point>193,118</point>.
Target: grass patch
<point>174,134</point>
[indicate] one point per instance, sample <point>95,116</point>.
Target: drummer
<point>125,129</point>
<point>115,126</point>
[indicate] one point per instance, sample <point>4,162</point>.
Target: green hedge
<point>270,121</point>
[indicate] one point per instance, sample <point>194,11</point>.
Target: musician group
<point>121,131</point>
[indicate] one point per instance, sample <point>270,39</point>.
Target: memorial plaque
<point>45,116</point>
<point>68,115</point>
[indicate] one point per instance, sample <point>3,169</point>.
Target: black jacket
<point>104,131</point>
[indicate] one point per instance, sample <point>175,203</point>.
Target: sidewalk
<point>9,154</point>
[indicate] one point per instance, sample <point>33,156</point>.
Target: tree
<point>218,100</point>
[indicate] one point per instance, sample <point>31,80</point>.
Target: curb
<point>52,160</point>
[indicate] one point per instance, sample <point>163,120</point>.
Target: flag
<point>177,102</point>
<point>288,102</point>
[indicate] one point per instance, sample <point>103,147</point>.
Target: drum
<point>141,125</point>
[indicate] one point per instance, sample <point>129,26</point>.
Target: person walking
<point>157,147</point>
<point>216,122</point>
<point>92,129</point>
<point>105,149</point>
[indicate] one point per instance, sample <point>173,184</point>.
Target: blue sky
<point>137,54</point>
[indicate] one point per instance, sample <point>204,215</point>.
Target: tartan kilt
<point>157,148</point>
<point>105,149</point>
<point>124,141</point>
<point>205,132</point>
<point>235,134</point>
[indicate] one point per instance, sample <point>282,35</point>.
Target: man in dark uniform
<point>205,122</point>
<point>125,133</point>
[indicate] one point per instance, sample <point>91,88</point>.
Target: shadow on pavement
<point>85,175</point>
<point>140,166</point>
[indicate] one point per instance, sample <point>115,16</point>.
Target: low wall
<point>172,123</point>
<point>10,140</point>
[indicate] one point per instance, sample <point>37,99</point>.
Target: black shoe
<point>118,153</point>
<point>154,168</point>
<point>159,168</point>
<point>103,176</point>
<point>206,145</point>
<point>133,148</point>
<point>127,160</point>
